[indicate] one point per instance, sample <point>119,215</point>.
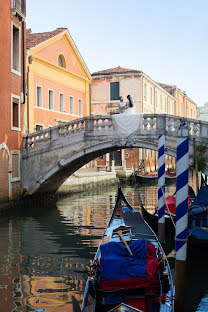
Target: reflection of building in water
<point>53,294</point>
<point>12,288</point>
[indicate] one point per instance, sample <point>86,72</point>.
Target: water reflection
<point>44,251</point>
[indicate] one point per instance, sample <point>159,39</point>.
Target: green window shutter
<point>114,91</point>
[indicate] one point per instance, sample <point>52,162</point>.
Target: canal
<point>44,251</point>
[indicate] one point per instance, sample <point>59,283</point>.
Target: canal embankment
<point>86,179</point>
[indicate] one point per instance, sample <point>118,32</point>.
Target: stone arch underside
<point>50,180</point>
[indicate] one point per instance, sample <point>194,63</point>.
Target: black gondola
<point>152,219</point>
<point>108,294</point>
<point>198,222</point>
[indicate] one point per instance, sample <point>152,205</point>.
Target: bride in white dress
<point>130,106</point>
<point>127,123</point>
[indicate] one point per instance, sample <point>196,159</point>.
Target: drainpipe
<point>23,61</point>
<point>28,102</point>
<point>90,99</point>
<point>142,104</point>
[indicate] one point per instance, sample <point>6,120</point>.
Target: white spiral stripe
<point>181,253</point>
<point>182,194</point>
<point>180,168</point>
<point>182,224</point>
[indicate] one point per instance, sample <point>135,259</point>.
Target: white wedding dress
<point>127,123</point>
<point>130,110</point>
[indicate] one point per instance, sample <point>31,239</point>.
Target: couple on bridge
<point>128,107</point>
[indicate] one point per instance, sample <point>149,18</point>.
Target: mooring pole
<point>181,216</point>
<point>161,188</point>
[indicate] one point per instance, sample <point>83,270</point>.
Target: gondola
<point>170,218</point>
<point>145,178</point>
<point>169,178</point>
<point>198,222</point>
<point>144,283</point>
<point>152,178</point>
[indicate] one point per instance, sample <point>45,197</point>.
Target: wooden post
<point>181,216</point>
<point>196,166</point>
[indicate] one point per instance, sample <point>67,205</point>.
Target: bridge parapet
<point>152,124</point>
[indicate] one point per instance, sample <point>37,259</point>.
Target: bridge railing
<point>153,124</point>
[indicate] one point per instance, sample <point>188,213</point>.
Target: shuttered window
<point>114,91</point>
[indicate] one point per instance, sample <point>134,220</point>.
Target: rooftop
<point>116,70</point>
<point>33,40</point>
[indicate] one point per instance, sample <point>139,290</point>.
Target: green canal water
<point>44,251</point>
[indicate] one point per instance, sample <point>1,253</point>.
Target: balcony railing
<point>20,5</point>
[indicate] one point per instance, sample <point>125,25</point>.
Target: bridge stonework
<point>51,155</point>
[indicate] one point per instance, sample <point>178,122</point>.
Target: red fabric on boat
<point>139,303</point>
<point>171,202</point>
<point>152,174</point>
<point>150,281</point>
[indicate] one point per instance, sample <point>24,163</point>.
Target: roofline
<point>74,46</point>
<point>126,73</point>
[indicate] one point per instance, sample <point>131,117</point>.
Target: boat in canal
<point>198,222</point>
<point>130,271</point>
<point>151,178</point>
<point>170,213</point>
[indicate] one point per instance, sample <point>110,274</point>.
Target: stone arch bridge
<point>53,154</point>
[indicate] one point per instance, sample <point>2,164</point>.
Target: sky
<point>167,40</point>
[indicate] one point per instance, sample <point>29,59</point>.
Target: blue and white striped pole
<point>181,215</point>
<point>161,188</point>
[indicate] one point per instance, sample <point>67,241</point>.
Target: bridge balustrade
<point>152,124</point>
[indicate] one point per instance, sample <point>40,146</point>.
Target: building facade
<point>12,95</point>
<point>184,106</point>
<point>203,112</point>
<point>58,80</point>
<point>149,98</point>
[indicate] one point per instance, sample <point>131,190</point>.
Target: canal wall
<point>85,179</point>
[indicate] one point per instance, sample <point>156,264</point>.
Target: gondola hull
<point>152,220</point>
<point>99,298</point>
<point>145,178</point>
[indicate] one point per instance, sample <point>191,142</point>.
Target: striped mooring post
<point>181,215</point>
<point>161,188</point>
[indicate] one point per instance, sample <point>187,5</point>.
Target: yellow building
<point>57,80</point>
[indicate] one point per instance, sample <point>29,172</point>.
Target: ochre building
<point>57,78</point>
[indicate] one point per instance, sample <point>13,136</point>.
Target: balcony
<point>19,8</point>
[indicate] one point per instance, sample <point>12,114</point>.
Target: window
<point>61,61</point>
<point>39,96</point>
<point>114,91</point>
<point>50,99</point>
<point>156,98</point>
<point>80,107</point>
<point>181,108</point>
<point>38,127</point>
<point>16,49</point>
<point>160,101</point>
<point>150,95</point>
<point>15,114</point>
<point>165,105</point>
<point>61,102</point>
<point>145,91</point>
<point>71,105</point>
